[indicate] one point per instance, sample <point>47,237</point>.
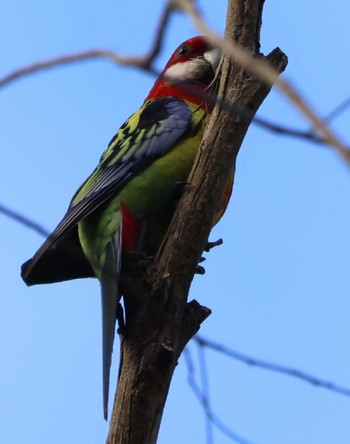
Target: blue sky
<point>279,285</point>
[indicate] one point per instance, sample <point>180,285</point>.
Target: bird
<point>127,203</point>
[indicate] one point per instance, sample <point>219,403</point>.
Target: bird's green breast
<point>150,190</point>
<point>146,195</point>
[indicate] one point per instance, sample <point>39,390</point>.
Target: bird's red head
<point>193,64</point>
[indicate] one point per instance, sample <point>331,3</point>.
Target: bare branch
<point>143,62</point>
<point>203,400</point>
<point>272,367</point>
<point>24,220</point>
<point>205,391</point>
<point>246,114</point>
<point>337,110</point>
<point>283,130</point>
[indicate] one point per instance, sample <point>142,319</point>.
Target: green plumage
<point>146,196</point>
<point>128,201</point>
<point>146,193</point>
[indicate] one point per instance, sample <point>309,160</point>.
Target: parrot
<point>127,203</point>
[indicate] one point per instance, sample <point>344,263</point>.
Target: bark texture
<point>159,320</point>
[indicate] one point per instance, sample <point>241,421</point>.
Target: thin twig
<point>144,62</point>
<point>337,110</point>
<point>307,135</point>
<point>332,115</point>
<point>205,404</point>
<point>272,367</point>
<point>24,220</point>
<point>205,390</point>
<point>73,58</point>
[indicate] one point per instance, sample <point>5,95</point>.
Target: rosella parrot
<point>126,204</point>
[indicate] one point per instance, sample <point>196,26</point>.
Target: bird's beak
<point>213,56</point>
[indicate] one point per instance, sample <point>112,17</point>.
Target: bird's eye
<point>184,50</point>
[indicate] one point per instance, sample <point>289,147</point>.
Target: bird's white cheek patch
<point>185,70</point>
<point>213,57</point>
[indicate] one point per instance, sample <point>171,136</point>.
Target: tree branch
<point>204,402</point>
<point>143,62</point>
<point>278,368</point>
<point>24,220</point>
<point>159,321</point>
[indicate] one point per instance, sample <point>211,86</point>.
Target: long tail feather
<point>109,299</point>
